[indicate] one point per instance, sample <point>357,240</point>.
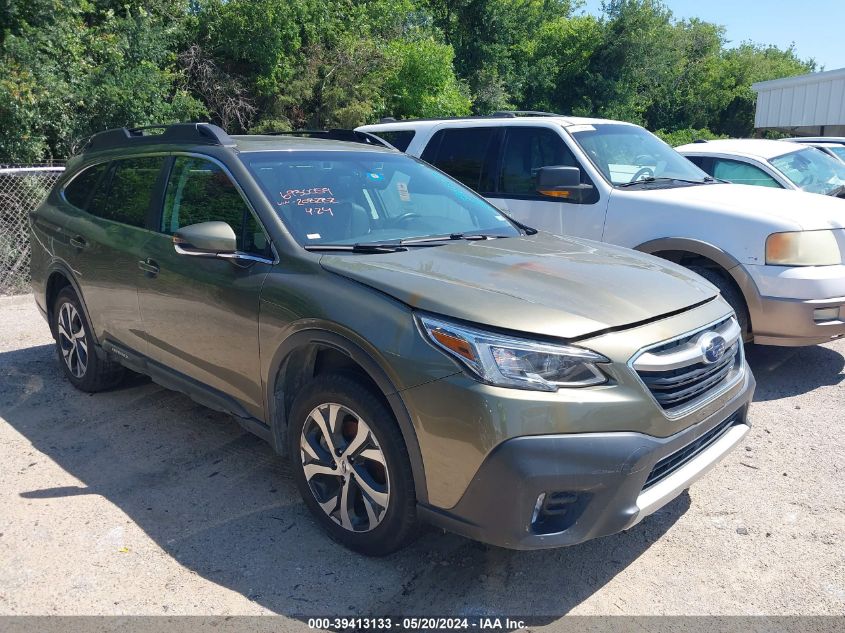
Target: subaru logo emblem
<point>712,347</point>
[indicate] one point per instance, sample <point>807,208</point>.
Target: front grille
<point>678,387</point>
<point>673,462</point>
<point>677,373</point>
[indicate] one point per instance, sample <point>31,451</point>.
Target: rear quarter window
<point>400,139</point>
<point>78,191</point>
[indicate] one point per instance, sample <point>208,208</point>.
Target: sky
<point>815,26</point>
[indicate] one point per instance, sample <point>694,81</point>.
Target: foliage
<point>72,67</point>
<point>422,82</point>
<point>687,135</point>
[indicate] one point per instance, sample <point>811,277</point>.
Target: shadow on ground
<point>221,503</point>
<point>783,372</point>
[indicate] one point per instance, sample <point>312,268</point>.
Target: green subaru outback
<point>415,353</point>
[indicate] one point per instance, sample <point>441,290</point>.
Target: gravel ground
<point>139,501</point>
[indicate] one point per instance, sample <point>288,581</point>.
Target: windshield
<point>627,153</point>
<point>812,170</point>
<point>364,197</point>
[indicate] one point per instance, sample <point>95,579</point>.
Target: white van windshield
<point>627,154</point>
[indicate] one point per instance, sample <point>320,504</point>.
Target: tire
<point>361,427</point>
<point>77,349</point>
<point>731,294</point>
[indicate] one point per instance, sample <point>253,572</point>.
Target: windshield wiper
<point>445,238</point>
<point>399,245</point>
<point>361,247</point>
<point>839,192</point>
<point>651,179</point>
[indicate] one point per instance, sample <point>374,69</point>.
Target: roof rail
<point>512,114</point>
<point>199,133</point>
<point>499,114</point>
<point>338,134</point>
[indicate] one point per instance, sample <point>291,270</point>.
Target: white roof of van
<point>418,124</point>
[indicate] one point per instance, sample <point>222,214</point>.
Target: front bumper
<point>594,484</point>
<point>793,322</point>
<point>793,306</point>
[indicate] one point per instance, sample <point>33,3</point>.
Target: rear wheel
<point>76,348</point>
<point>730,293</point>
<point>351,465</point>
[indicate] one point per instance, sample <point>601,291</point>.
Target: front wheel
<point>351,465</point>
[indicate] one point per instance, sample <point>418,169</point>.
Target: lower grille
<point>673,462</point>
<point>679,373</point>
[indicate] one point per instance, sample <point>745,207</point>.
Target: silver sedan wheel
<point>345,468</point>
<point>72,340</point>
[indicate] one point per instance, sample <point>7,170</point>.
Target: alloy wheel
<point>72,340</point>
<point>345,468</point>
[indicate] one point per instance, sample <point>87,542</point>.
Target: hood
<point>542,284</point>
<point>790,209</point>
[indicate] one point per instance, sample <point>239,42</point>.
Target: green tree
<point>73,68</point>
<point>422,82</point>
<point>558,67</point>
<point>489,38</point>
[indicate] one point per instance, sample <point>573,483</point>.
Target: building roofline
<point>798,80</point>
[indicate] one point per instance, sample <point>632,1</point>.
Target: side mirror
<point>561,182</point>
<point>206,239</point>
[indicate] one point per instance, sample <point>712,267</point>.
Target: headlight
<point>803,248</point>
<point>512,362</point>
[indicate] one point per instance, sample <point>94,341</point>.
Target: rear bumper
<point>544,491</point>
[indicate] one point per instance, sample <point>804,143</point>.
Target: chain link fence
<point>22,188</point>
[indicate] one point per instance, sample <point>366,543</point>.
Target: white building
<point>806,105</point>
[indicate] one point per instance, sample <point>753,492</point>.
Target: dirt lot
<point>139,501</point>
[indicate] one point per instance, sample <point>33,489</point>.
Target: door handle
<point>149,266</point>
<point>78,242</point>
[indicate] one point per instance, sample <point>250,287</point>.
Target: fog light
<point>826,314</point>
<point>537,507</point>
<point>557,511</point>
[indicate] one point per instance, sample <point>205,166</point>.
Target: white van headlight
<point>803,248</point>
<point>508,361</point>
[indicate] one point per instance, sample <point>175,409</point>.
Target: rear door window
<point>201,191</point>
<point>125,194</point>
<point>466,154</point>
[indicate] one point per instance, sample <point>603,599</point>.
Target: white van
<point>777,256</point>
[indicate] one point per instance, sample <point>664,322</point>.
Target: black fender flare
<point>310,336</point>
<point>62,268</point>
